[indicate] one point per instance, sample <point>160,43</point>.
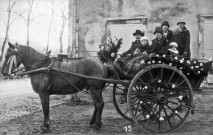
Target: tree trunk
<point>61,35</point>
<point>7,31</point>
<point>28,28</point>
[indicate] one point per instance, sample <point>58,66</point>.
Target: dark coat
<point>146,48</point>
<point>183,41</point>
<point>169,36</point>
<point>132,48</point>
<point>159,46</point>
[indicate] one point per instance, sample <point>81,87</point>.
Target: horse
<point>54,82</point>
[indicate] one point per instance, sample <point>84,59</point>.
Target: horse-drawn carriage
<point>159,97</point>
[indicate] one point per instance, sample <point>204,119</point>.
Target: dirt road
<point>24,117</point>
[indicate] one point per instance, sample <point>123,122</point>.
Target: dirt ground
<point>25,117</point>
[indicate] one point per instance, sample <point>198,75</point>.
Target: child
<point>173,49</point>
<point>144,48</point>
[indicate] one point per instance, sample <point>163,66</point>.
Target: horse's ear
<point>11,45</point>
<point>49,52</point>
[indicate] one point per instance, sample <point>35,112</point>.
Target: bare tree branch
<point>21,15</point>
<point>37,17</point>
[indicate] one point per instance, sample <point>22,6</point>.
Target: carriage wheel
<point>160,98</point>
<point>120,101</point>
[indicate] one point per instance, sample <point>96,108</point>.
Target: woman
<point>159,44</point>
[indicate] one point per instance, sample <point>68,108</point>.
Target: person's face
<point>180,25</point>
<point>165,27</point>
<point>174,48</point>
<point>158,35</point>
<point>138,36</point>
<point>144,42</point>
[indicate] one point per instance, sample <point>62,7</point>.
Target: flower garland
<point>108,52</point>
<point>186,66</point>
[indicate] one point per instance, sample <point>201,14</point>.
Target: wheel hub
<point>161,98</point>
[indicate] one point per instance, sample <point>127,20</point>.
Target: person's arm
<point>187,45</point>
<point>130,50</point>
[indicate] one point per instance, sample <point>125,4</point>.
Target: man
<point>138,34</point>
<point>167,33</point>
<point>182,38</point>
<point>159,44</point>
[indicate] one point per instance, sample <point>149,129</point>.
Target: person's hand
<point>128,56</point>
<point>122,55</point>
<point>135,53</point>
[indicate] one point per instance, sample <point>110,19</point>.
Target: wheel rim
<point>164,98</point>
<point>120,101</point>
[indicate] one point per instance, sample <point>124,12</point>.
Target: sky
<point>41,14</point>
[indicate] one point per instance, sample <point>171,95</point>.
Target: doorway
<point>124,28</point>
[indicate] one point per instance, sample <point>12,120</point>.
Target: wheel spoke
<point>150,73</point>
<point>161,76</point>
<point>172,102</point>
<point>174,112</point>
<point>171,77</point>
<point>137,108</point>
<point>126,111</point>
<point>180,83</point>
<point>168,119</point>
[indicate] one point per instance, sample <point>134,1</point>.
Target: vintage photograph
<point>106,67</point>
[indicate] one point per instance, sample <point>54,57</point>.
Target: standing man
<point>167,33</point>
<point>182,38</point>
<point>138,34</point>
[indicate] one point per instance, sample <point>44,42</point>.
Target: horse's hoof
<point>44,129</point>
<point>96,126</point>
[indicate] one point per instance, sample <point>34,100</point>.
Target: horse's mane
<point>30,54</point>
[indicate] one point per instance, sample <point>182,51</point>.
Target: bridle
<point>18,53</point>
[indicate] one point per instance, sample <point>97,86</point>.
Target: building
<point>96,19</point>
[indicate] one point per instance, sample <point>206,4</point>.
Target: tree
<point>9,22</point>
<point>48,37</point>
<point>28,19</point>
<point>64,18</point>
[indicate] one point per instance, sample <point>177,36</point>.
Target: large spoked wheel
<point>160,98</point>
<point>120,101</point>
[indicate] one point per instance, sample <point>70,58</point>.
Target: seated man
<point>138,34</point>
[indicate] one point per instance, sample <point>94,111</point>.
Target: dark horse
<point>53,82</point>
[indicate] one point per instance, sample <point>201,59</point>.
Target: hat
<point>158,29</point>
<point>165,23</point>
<point>138,32</point>
<point>181,21</point>
<point>173,44</point>
<point>144,38</point>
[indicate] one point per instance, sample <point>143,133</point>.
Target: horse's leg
<point>45,99</point>
<point>92,121</point>
<point>99,105</point>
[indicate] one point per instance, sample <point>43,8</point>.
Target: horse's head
<point>13,50</point>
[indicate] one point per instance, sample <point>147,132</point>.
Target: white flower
<point>210,59</point>
<point>181,61</point>
<point>180,97</point>
<point>173,85</point>
<point>164,55</point>
<point>201,64</point>
<point>142,61</point>
<point>176,58</point>
<point>112,54</point>
<point>161,118</point>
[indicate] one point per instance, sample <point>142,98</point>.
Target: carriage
<point>158,98</point>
